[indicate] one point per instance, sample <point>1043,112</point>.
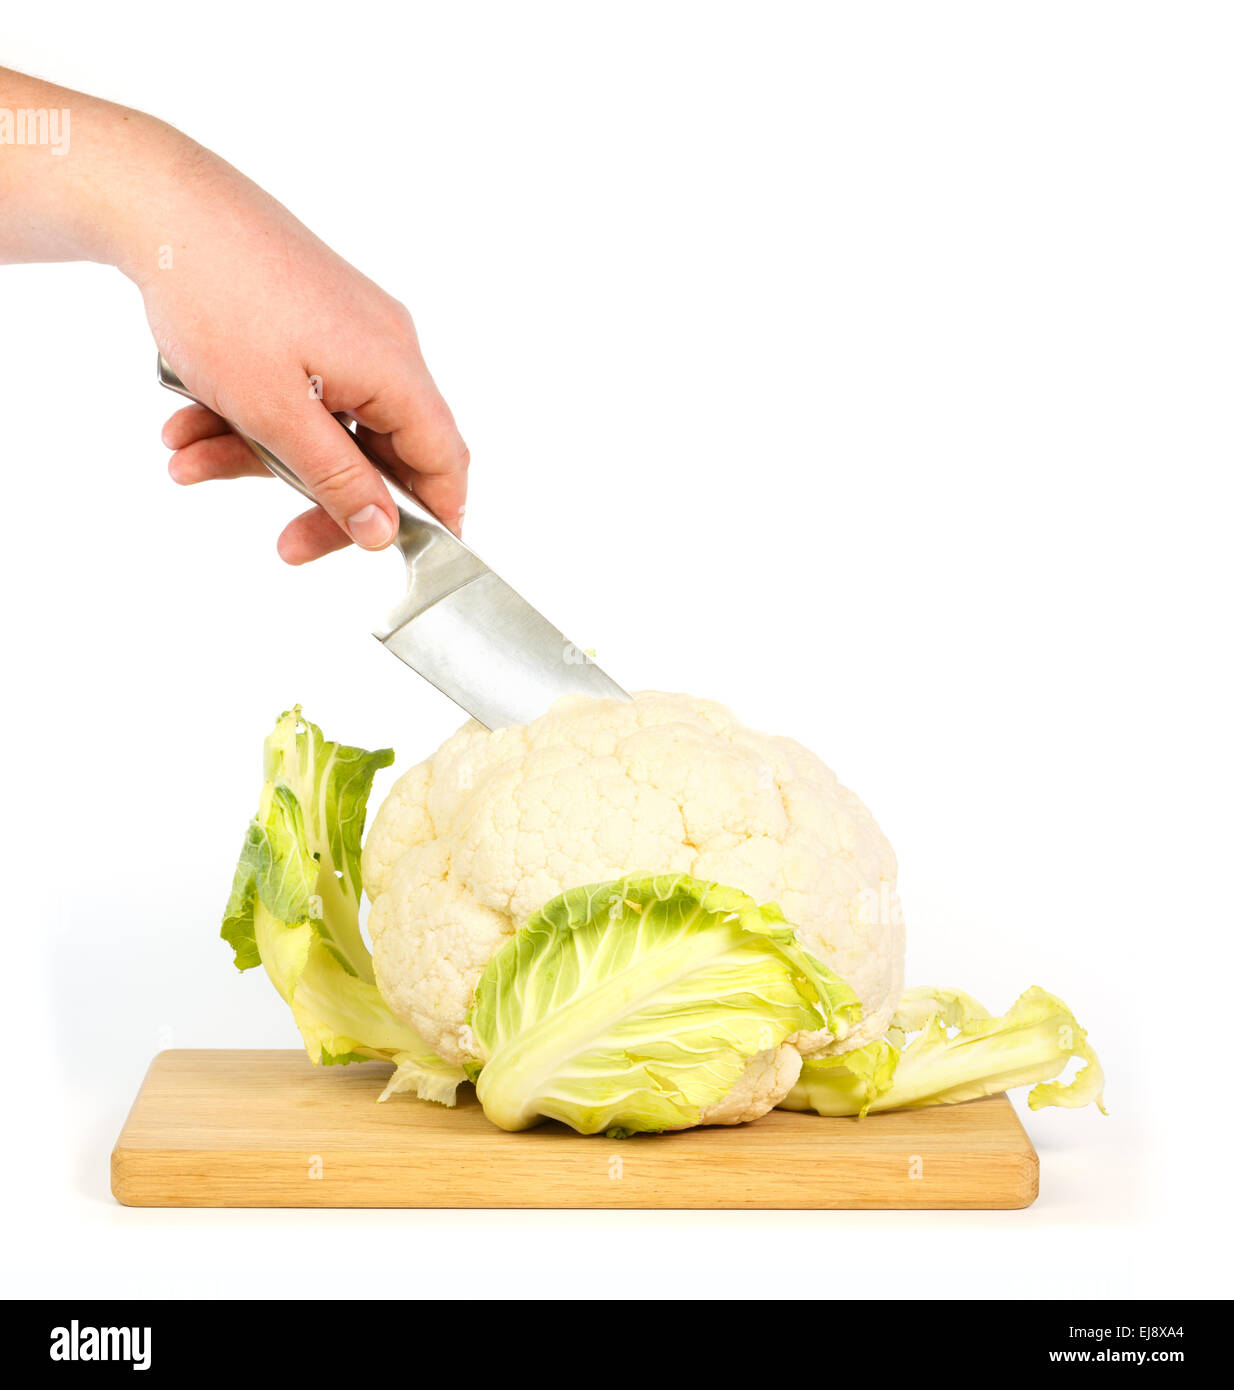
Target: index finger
<point>411,430</point>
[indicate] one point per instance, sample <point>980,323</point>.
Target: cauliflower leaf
<point>629,1006</point>
<point>295,908</point>
<point>959,1052</point>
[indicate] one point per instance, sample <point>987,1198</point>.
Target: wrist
<point>88,194</point>
<point>133,206</point>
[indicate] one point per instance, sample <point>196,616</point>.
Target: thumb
<point>326,459</point>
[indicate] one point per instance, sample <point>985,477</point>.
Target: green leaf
<point>959,1053</point>
<point>295,908</point>
<point>952,1007</point>
<point>633,1005</point>
<point>237,928</point>
<point>846,1084</point>
<point>425,1074</point>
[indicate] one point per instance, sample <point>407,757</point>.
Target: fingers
<point>214,457</point>
<point>206,451</point>
<point>443,494</point>
<point>310,536</point>
<point>410,428</point>
<point>205,448</point>
<point>192,423</point>
<point>407,426</point>
<point>325,458</point>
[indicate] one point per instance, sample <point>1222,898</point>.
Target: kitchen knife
<point>459,625</point>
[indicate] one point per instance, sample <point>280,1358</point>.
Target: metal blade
<point>492,653</point>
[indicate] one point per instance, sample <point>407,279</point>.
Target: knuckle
<point>398,329</point>
<point>333,480</point>
<point>401,317</point>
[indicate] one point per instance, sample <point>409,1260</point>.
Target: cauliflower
<point>626,916</point>
<point>473,842</point>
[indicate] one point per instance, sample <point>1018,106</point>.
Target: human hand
<point>262,322</point>
<point>273,331</point>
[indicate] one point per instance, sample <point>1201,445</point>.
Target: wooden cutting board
<point>266,1129</point>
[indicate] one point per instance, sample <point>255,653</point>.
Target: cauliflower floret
<point>768,1078</point>
<point>471,843</point>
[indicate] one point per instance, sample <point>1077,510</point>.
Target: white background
<point>865,367</point>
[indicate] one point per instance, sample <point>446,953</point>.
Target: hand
<point>261,320</point>
<point>272,330</point>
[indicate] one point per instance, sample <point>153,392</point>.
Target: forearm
<point>95,192</point>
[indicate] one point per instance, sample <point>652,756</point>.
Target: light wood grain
<point>265,1129</point>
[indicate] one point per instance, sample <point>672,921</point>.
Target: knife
<point>460,626</point>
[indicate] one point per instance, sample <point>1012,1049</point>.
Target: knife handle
<point>404,500</point>
<point>437,561</point>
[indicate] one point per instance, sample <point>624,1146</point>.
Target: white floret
<point>768,1078</point>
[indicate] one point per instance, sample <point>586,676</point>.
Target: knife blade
<point>460,626</point>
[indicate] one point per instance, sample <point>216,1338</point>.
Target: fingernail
<point>370,527</point>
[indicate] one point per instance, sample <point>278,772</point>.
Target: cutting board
<point>266,1129</point>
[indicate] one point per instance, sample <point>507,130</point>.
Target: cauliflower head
<point>474,841</point>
